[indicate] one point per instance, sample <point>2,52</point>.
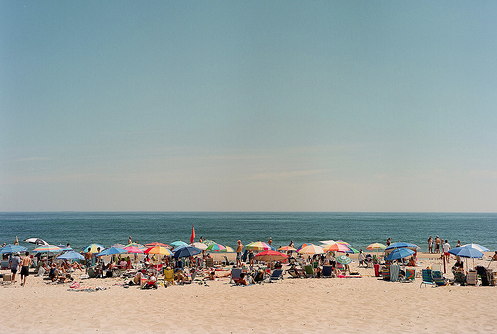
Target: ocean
<point>359,229</point>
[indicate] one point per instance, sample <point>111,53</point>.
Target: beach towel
<point>394,272</point>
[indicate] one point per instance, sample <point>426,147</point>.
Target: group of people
<point>23,263</point>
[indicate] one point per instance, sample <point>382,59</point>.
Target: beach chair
<point>427,278</point>
<point>394,272</point>
<point>168,277</point>
<point>438,278</point>
<point>308,271</point>
<point>293,273</point>
<point>276,275</point>
<point>459,277</point>
<point>472,278</point>
<point>235,275</point>
<point>327,271</point>
<point>209,262</point>
<point>4,264</point>
<point>368,261</point>
<point>410,276</point>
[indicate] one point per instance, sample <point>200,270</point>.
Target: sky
<point>376,106</point>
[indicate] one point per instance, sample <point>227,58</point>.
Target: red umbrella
<point>270,255</point>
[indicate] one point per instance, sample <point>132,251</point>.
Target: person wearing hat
<point>14,265</point>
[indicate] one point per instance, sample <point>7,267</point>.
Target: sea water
<point>359,229</point>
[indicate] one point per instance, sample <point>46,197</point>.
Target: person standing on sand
<point>446,248</point>
<point>14,266</point>
<point>239,250</point>
<point>437,244</point>
<point>26,262</point>
<point>430,244</point>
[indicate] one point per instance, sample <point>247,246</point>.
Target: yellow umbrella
<point>376,246</point>
<point>287,249</point>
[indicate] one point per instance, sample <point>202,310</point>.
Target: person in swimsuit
<point>26,262</point>
<point>239,250</point>
<point>14,266</point>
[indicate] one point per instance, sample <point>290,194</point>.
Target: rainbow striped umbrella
<point>216,248</point>
<point>47,249</point>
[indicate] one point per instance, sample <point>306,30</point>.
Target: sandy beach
<point>314,305</point>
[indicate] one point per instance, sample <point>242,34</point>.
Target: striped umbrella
<point>133,249</point>
<point>259,246</point>
<point>216,248</point>
<point>47,249</point>
<point>336,247</point>
<point>311,249</point>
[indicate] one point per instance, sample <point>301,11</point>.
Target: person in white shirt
<point>446,248</point>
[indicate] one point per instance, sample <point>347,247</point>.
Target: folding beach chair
<point>235,275</point>
<point>438,278</point>
<point>308,271</point>
<point>472,278</point>
<point>459,277</point>
<point>168,277</point>
<point>427,278</point>
<point>327,271</point>
<point>276,275</point>
<point>410,276</point>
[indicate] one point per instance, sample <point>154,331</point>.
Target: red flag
<point>193,235</point>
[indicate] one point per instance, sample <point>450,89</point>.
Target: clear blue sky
<point>248,106</point>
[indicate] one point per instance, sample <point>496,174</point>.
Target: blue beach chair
<point>427,278</point>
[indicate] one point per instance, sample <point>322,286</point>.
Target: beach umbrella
<point>216,247</point>
<point>466,251</point>
<point>133,249</point>
<point>65,248</point>
<point>343,259</point>
<point>259,246</point>
<point>228,249</point>
<point>158,250</point>
<point>71,255</point>
<point>399,253</point>
<point>186,251</point>
<point>287,249</point>
<point>336,247</point>
<point>209,242</point>
<point>152,244</point>
<point>328,242</point>
<point>137,245</point>
<point>311,249</point>
<point>47,249</point>
<point>93,248</point>
<point>401,245</point>
<point>36,241</point>
<point>376,246</point>
<point>302,246</point>
<point>112,251</point>
<point>178,243</point>
<point>118,246</point>
<point>478,247</point>
<point>270,255</point>
<point>199,245</point>
<point>10,248</point>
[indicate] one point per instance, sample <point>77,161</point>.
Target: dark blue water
<point>359,229</point>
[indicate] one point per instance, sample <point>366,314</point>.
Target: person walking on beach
<point>430,244</point>
<point>14,266</point>
<point>26,262</point>
<point>239,250</point>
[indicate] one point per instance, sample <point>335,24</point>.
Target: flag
<point>193,235</point>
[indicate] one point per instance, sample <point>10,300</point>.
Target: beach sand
<point>291,306</point>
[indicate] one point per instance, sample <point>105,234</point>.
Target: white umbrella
<point>199,245</point>
<point>36,241</point>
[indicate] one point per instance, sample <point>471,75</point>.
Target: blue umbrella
<point>71,255</point>
<point>478,247</point>
<point>178,243</point>
<point>401,245</point>
<point>12,249</point>
<point>111,251</point>
<point>399,253</point>
<point>185,251</point>
<point>466,251</point>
